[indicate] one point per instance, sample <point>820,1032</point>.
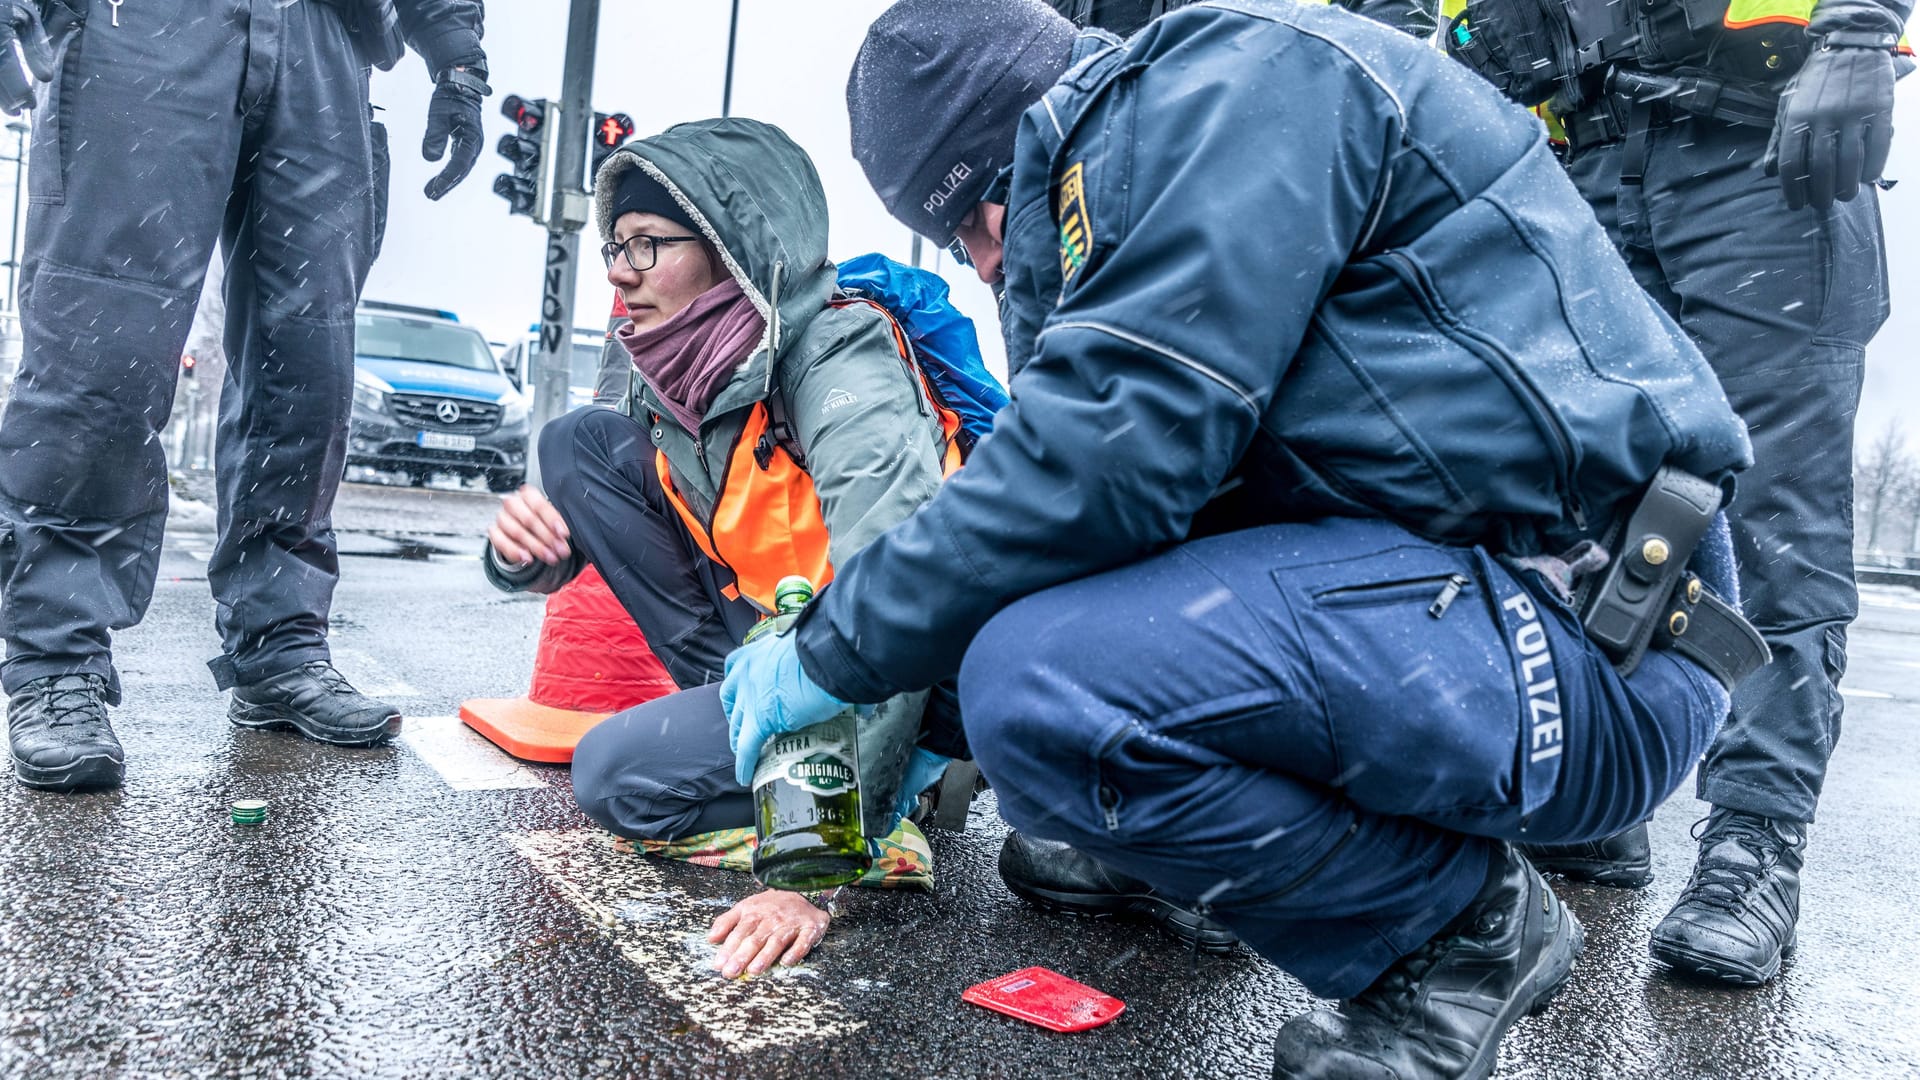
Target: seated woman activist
<point>691,500</point>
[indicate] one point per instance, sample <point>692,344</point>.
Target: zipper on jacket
<point>1447,594</point>
<point>1544,417</point>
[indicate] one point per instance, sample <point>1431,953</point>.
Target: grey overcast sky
<point>663,62</point>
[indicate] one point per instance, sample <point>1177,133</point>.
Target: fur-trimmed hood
<point>754,194</point>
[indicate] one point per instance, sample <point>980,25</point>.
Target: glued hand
<point>771,927</point>
<point>765,693</point>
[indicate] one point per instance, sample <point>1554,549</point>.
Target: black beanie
<point>640,193</point>
<point>936,95</point>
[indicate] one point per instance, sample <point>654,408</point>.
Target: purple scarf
<point>688,358</point>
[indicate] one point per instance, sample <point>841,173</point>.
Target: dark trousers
<point>1782,303</point>
<point>242,120</point>
<point>664,769</point>
<point>1271,723</point>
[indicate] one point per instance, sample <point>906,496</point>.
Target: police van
<point>585,354</point>
<point>429,396</point>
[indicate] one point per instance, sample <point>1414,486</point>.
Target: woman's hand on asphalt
<point>766,928</point>
<point>528,528</point>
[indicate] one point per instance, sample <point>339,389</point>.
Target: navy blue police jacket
<point>1274,262</point>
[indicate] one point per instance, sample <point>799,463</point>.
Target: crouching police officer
<point>1731,150</point>
<point>1355,516</point>
<point>249,122</point>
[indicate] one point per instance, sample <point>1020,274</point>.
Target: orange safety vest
<point>766,521</point>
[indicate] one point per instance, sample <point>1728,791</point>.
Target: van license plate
<point>440,440</point>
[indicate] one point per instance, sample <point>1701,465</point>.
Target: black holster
<point>1646,597</point>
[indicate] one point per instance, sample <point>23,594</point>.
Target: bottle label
<point>825,773</point>
<point>817,760</point>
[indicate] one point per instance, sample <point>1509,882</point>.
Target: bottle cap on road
<point>249,811</point>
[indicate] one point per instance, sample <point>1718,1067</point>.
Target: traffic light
<point>187,364</point>
<point>525,189</point>
<point>609,131</point>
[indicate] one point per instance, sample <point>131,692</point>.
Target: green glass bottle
<point>806,788</point>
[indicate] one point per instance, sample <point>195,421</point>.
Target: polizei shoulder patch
<point>1076,227</point>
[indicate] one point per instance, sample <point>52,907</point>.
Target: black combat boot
<point>1735,919</point>
<point>1055,877</point>
<point>1441,1010</point>
<point>316,701</point>
<point>57,729</point>
<point>1623,860</point>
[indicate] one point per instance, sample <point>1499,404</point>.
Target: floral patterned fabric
<point>902,860</point>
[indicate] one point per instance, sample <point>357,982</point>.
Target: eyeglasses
<point>642,251</point>
<point>958,249</point>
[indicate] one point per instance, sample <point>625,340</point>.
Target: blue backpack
<point>943,341</point>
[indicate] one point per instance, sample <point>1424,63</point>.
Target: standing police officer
<point>163,125</point>
<point>1326,387</point>
<point>1732,149</point>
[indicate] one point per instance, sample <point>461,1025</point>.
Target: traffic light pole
<point>573,118</point>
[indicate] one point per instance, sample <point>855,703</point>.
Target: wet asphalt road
<point>427,909</point>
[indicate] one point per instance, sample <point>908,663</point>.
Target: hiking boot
<point>318,702</point>
<point>1054,877</point>
<point>1441,1010</point>
<point>57,729</point>
<point>1734,922</point>
<point>1623,860</point>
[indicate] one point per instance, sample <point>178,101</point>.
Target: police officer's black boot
<point>1055,877</point>
<point>57,729</point>
<point>1735,920</point>
<point>318,702</point>
<point>1441,1010</point>
<point>1623,860</point>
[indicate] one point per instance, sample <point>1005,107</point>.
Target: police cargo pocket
<point>382,173</point>
<point>47,174</point>
<point>1415,679</point>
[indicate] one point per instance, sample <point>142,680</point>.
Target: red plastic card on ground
<point>1047,998</point>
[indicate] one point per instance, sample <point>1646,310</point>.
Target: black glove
<point>1835,126</point>
<point>20,22</point>
<point>454,113</point>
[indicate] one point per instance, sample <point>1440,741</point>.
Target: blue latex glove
<point>923,771</point>
<point>766,693</point>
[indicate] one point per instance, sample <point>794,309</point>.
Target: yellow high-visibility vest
<point>1741,15</point>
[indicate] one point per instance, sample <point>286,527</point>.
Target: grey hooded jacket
<point>871,440</point>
